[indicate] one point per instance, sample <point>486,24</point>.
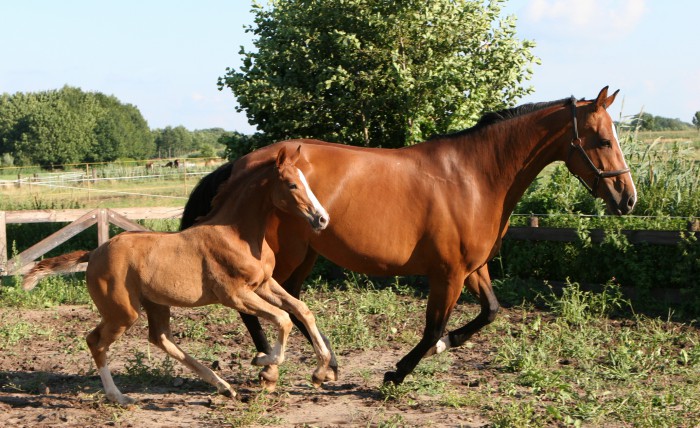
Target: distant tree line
<point>649,122</point>
<point>70,125</point>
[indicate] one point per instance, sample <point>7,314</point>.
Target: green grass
<point>51,291</point>
<point>583,359</point>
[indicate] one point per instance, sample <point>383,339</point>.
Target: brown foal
<point>223,259</point>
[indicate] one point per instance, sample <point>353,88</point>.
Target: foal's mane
<point>237,182</point>
<point>491,118</point>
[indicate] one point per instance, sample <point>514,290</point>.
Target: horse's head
<point>595,156</point>
<point>292,193</point>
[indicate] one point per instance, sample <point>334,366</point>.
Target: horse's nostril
<point>630,202</point>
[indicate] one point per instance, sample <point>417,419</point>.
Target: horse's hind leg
<point>112,326</point>
<point>272,292</point>
<point>160,335</point>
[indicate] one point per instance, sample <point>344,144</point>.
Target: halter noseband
<point>577,147</point>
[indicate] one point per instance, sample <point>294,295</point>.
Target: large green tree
<point>121,132</point>
<point>378,72</point>
<point>68,126</point>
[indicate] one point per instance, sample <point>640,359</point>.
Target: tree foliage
<point>69,126</point>
<point>696,120</point>
<point>375,72</point>
<point>649,122</point>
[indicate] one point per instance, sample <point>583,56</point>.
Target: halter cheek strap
<point>576,146</point>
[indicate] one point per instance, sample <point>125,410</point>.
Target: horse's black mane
<point>491,118</point>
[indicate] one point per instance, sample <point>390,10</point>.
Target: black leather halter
<point>578,148</point>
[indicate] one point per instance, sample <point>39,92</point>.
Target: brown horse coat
<point>438,208</point>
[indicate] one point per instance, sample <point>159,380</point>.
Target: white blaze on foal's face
<point>310,194</point>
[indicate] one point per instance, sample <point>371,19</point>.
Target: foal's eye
<point>605,143</point>
<point>292,186</point>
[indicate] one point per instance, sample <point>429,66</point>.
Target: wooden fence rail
<point>122,217</point>
<point>80,220</point>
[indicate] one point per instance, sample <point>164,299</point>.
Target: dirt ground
<point>50,380</point>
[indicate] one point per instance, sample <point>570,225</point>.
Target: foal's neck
<point>244,210</point>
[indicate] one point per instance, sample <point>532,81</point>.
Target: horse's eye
<point>292,186</point>
<point>605,143</point>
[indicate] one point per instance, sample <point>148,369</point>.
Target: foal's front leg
<point>243,299</point>
<point>272,292</point>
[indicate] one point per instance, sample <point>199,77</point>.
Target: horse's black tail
<point>199,203</point>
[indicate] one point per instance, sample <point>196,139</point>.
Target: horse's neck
<point>526,148</point>
<point>511,153</point>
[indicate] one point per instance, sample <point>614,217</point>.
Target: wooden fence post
<point>694,225</point>
<point>102,226</point>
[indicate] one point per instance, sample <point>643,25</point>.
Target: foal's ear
<point>283,158</point>
<point>604,100</point>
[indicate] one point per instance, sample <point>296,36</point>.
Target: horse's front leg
<point>269,374</point>
<point>292,285</point>
<point>479,284</point>
<point>442,299</point>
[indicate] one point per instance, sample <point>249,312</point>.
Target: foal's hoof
<point>226,390</point>
<point>268,378</point>
<point>332,374</point>
<point>122,400</point>
<point>319,377</point>
<point>229,393</point>
<point>393,377</point>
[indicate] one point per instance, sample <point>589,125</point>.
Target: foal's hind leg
<point>272,292</point>
<point>112,326</point>
<point>160,335</point>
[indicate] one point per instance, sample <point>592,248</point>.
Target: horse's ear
<point>284,158</point>
<point>604,100</point>
<point>295,156</point>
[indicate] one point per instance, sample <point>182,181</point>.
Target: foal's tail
<point>54,265</point>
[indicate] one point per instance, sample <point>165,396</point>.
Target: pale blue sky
<point>165,56</point>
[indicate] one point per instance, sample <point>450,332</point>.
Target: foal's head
<point>595,156</point>
<point>292,194</point>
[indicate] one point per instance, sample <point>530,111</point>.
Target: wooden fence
<point>122,217</point>
<point>80,220</point>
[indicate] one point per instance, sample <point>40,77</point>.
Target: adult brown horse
<point>437,208</point>
<point>224,259</point>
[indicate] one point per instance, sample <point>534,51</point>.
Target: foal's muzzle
<point>319,221</point>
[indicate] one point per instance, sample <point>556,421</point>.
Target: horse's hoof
<point>260,360</point>
<point>393,377</point>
